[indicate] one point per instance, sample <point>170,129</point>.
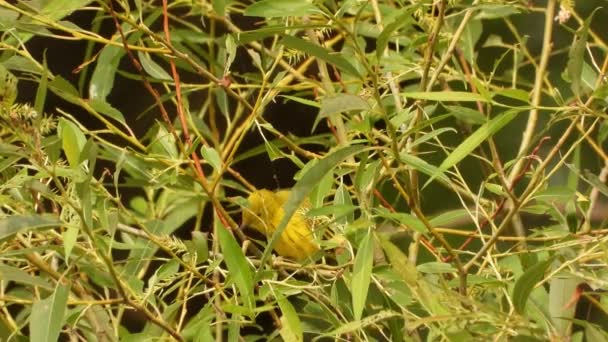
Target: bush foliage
<point>454,159</point>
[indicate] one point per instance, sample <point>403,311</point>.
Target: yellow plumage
<point>264,214</point>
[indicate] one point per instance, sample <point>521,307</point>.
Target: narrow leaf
<point>399,263</point>
<point>474,140</point>
<point>64,89</point>
<point>469,38</point>
<point>11,225</point>
<point>212,157</point>
<point>406,219</point>
<point>72,141</point>
<point>321,53</point>
<point>421,165</point>
<point>153,68</point>
<point>102,80</point>
<point>362,271</point>
<point>280,8</point>
<point>42,88</point>
<point>526,282</point>
<point>47,316</point>
<point>576,56</point>
<point>290,319</point>
<point>446,96</point>
<point>17,275</point>
<point>562,289</point>
<point>342,103</point>
<point>106,109</point>
<point>239,269</point>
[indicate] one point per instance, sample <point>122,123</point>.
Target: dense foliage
<point>451,151</point>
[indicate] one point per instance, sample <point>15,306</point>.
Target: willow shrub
<point>453,158</point>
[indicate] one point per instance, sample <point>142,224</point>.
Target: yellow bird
<point>264,214</point>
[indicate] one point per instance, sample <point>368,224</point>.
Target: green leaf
<point>239,268</point>
<point>183,208</point>
<point>321,53</point>
<point>336,210</point>
<point>280,8</point>
<point>135,166</point>
<point>272,150</point>
<point>301,100</point>
<point>595,181</point>
<point>8,18</point>
<point>164,143</point>
<point>104,73</point>
<point>406,219</point>
<point>399,263</point>
<point>401,20</point>
<point>152,68</point>
<point>70,236</point>
<point>47,316</point>
<point>292,327</point>
<point>52,11</point>
<point>576,56</point>
<point>433,302</point>
<point>304,186</point>
<point>83,189</point>
<point>526,283</point>
<point>321,190</point>
<point>72,141</point>
<point>11,225</point>
<point>431,135</point>
<point>421,165</point>
<point>167,270</point>
<point>362,271</point>
<point>555,194</point>
<point>64,89</point>
<point>255,58</point>
<point>366,175</point>
<point>262,33</point>
<point>42,88</point>
<point>199,327</point>
<point>469,38</point>
<point>342,198</point>
<point>446,96</point>
<point>474,140</point>
<point>219,6</point>
<point>17,275</point>
<point>199,240</point>
<point>230,53</point>
<point>58,9</point>
<point>513,93</point>
<point>495,11</point>
<point>361,325</point>
<point>212,157</point>
<point>562,289</point>
<point>106,109</point>
<point>340,103</point>
<point>436,268</point>
<point>467,115</point>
